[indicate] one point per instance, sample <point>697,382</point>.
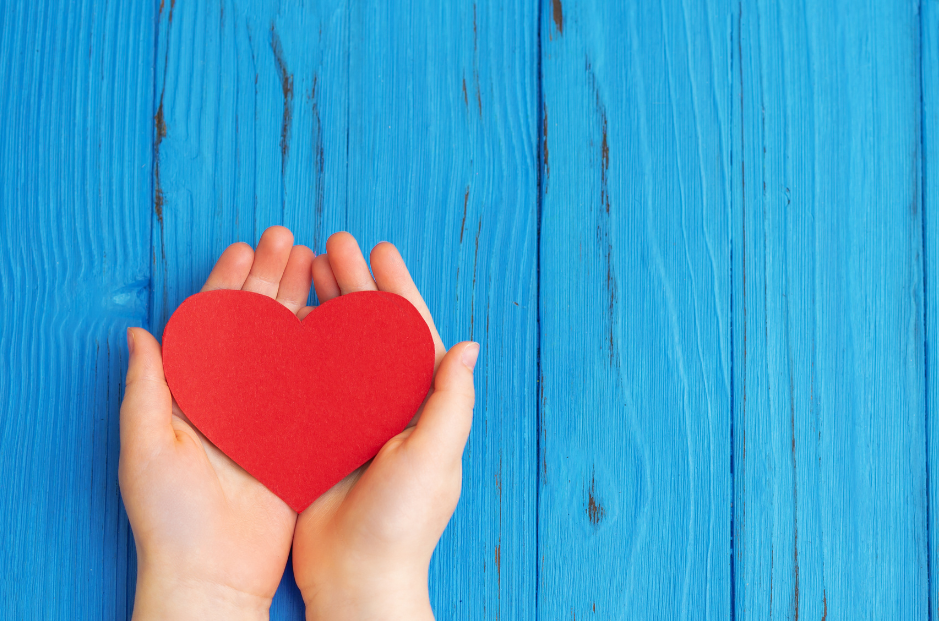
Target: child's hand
<point>362,550</point>
<point>212,542</point>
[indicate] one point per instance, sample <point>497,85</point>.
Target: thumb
<point>147,409</point>
<point>444,424</point>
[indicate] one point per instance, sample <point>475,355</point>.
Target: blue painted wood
<point>829,445</point>
<point>929,71</point>
<point>418,126</point>
<point>251,118</point>
<point>734,305</point>
<point>251,130</point>
<point>635,494</point>
<point>75,145</point>
<point>442,152</point>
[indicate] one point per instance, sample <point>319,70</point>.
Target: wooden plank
<point>635,496</point>
<point>443,161</point>
<point>251,119</point>
<point>75,142</point>
<point>829,445</point>
<point>929,192</point>
<point>355,117</point>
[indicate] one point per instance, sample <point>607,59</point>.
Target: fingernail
<point>469,355</point>
<point>130,342</point>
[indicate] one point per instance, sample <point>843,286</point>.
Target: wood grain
<point>698,241</point>
<point>929,194</point>
<point>251,119</point>
<point>75,143</point>
<point>251,126</point>
<point>635,495</point>
<point>443,161</point>
<point>417,126</point>
<point>829,445</point>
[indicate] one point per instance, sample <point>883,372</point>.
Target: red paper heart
<point>299,405</point>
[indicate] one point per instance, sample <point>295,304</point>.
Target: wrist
<point>160,597</point>
<point>387,597</point>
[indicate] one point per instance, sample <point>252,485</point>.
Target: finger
<point>303,312</point>
<point>348,264</point>
<point>147,409</point>
<point>391,275</point>
<point>294,286</point>
<point>324,282</point>
<point>231,269</point>
<point>445,422</point>
<point>270,259</point>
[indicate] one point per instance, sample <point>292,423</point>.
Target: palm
<point>377,510</point>
<point>247,528</point>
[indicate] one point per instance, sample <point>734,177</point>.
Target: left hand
<point>212,542</point>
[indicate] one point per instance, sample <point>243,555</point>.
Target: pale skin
<point>213,542</point>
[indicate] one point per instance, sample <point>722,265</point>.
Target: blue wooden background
<point>697,239</point>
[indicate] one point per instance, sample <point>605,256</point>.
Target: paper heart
<point>299,405</point>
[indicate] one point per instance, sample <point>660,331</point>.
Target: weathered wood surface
<point>698,241</point>
<point>635,505</point>
<point>830,504</point>
<point>417,126</point>
<point>929,193</point>
<point>76,83</point>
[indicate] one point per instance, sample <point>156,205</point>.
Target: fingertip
<point>469,355</point>
<point>460,358</point>
<point>270,260</point>
<point>344,246</point>
<point>447,416</point>
<point>146,357</point>
<point>340,238</point>
<point>278,236</point>
<point>391,273</point>
<point>387,250</point>
<point>240,254</point>
<point>347,263</point>
<point>455,372</point>
<point>389,268</point>
<point>294,287</point>
<point>232,268</point>
<point>146,408</point>
<point>303,252</point>
<point>138,334</point>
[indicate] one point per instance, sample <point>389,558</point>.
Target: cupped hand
<point>212,542</point>
<point>362,549</point>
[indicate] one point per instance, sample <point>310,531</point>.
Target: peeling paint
<point>558,14</point>
<point>596,512</point>
<point>286,85</point>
